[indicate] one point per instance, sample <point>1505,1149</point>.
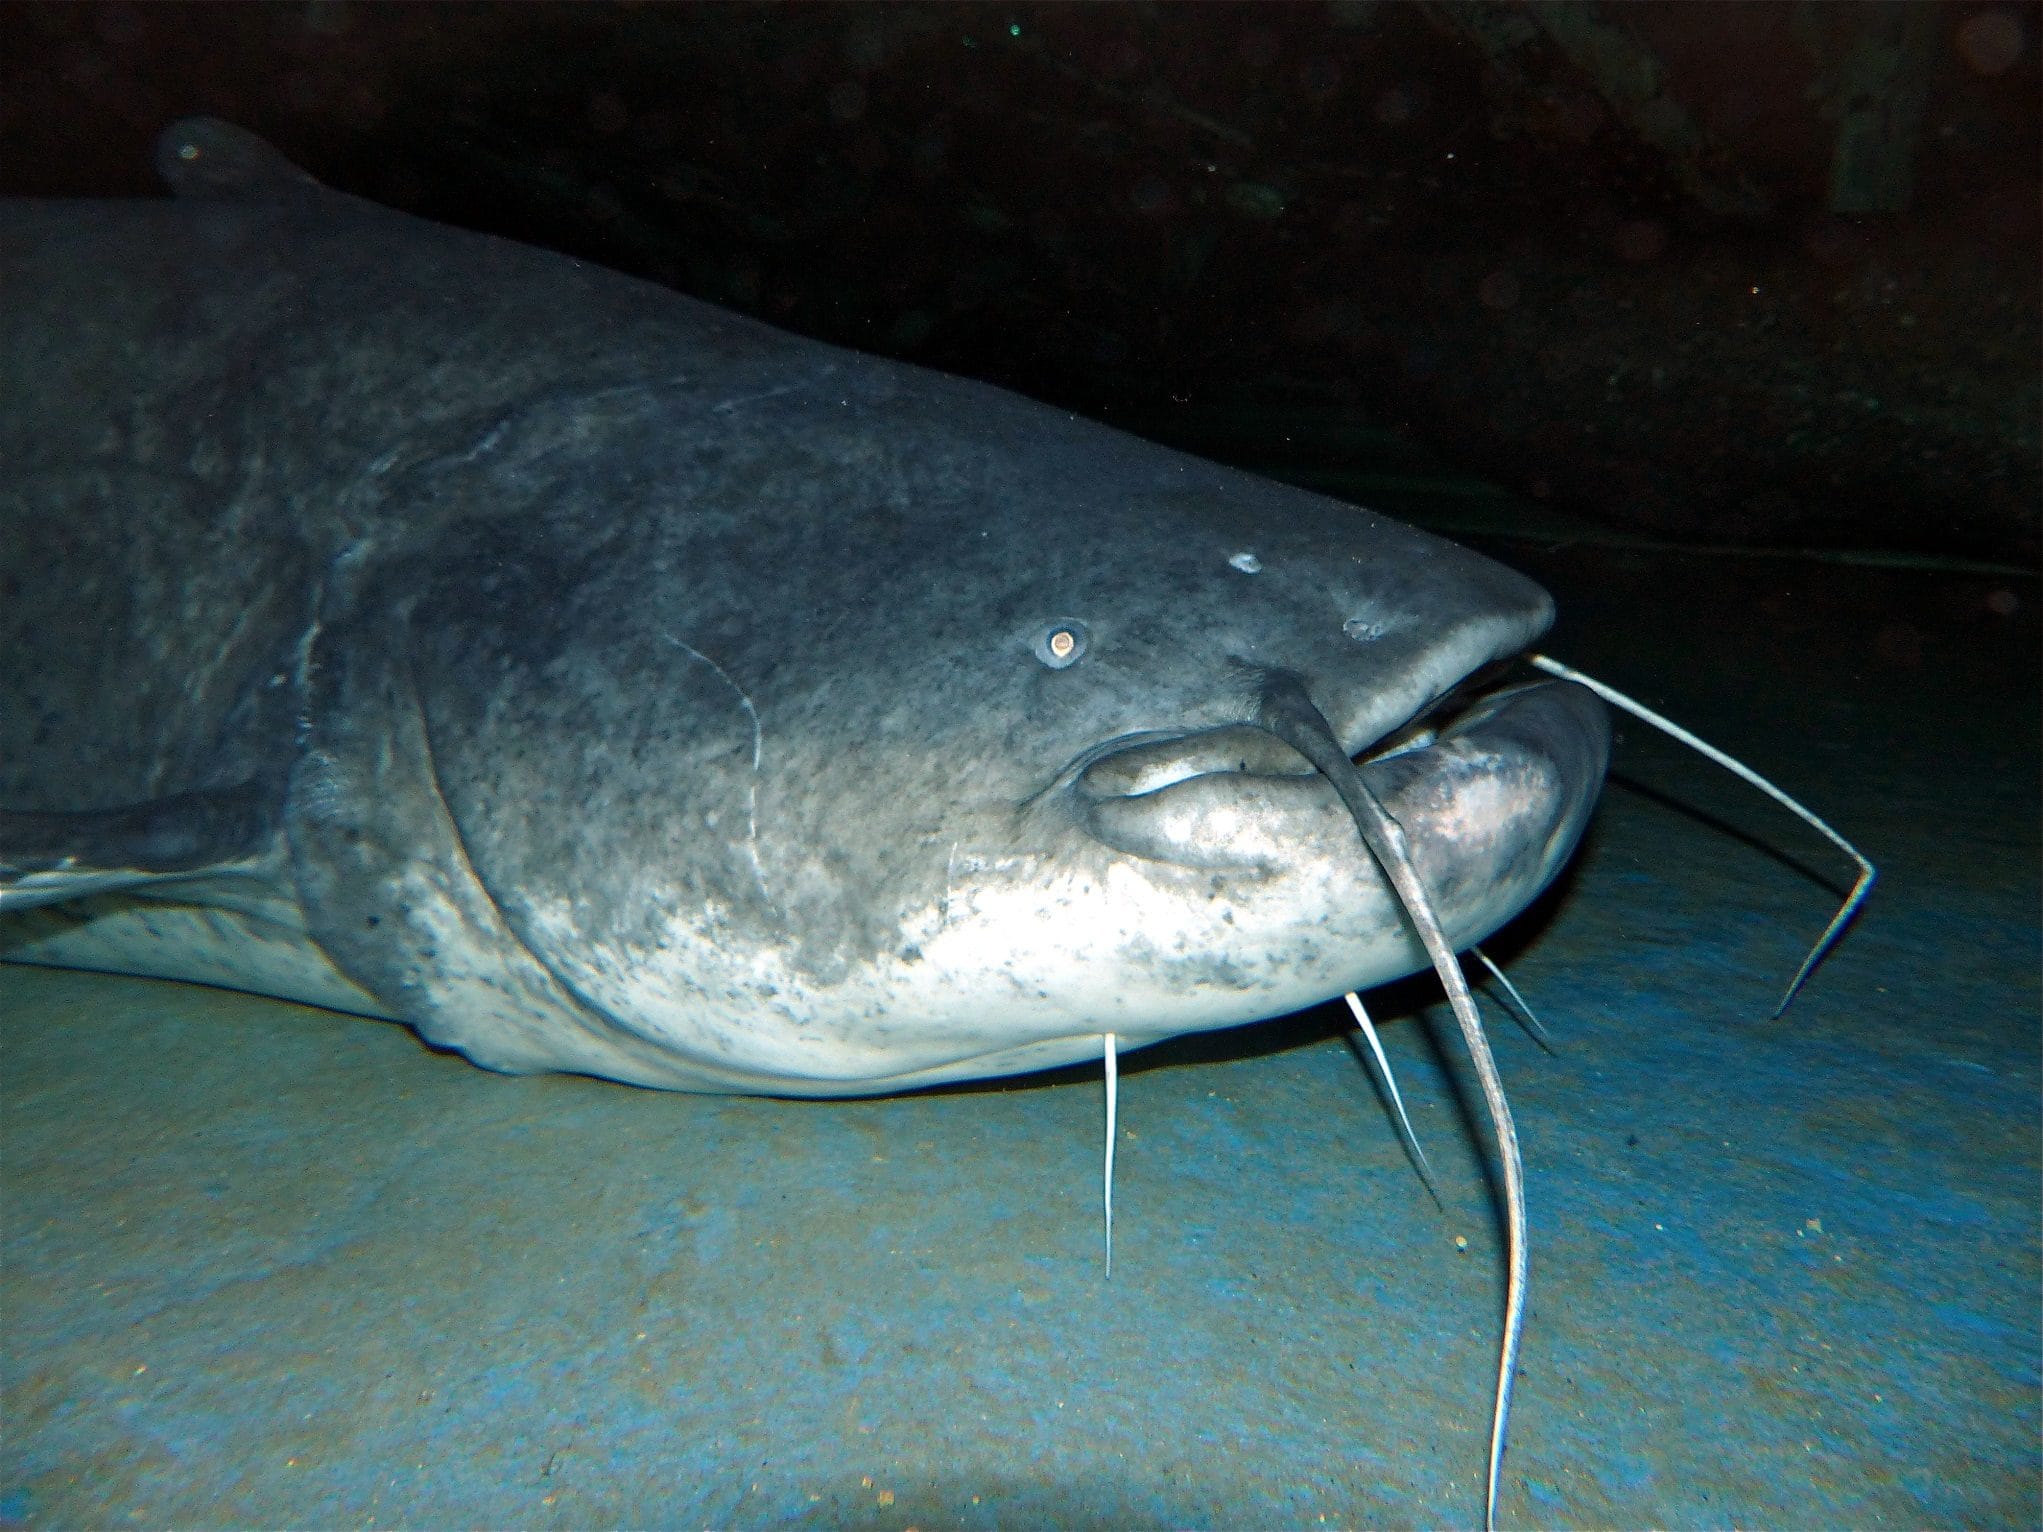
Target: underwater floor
<point>265,1265</point>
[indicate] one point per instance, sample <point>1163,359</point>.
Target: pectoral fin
<point>46,858</point>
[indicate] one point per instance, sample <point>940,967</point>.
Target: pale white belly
<point>257,945</point>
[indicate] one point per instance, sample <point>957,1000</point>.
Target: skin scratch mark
<point>732,406</point>
<point>758,744</point>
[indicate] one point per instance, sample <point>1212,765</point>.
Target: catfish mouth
<point>1487,778</point>
<point>1466,811</point>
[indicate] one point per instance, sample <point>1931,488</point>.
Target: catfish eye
<point>1061,644</point>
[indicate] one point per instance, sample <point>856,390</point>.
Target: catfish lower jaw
<point>1497,792</point>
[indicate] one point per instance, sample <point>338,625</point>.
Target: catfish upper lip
<point>1150,762</point>
<point>1151,765</point>
<point>1237,797</point>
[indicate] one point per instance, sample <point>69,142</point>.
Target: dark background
<point>1761,275</point>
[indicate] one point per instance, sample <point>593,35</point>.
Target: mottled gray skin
<point>418,623</point>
